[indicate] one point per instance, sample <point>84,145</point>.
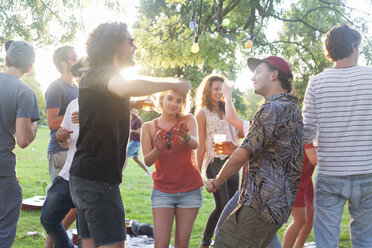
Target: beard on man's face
<point>125,60</point>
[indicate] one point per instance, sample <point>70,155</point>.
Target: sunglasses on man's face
<point>169,142</point>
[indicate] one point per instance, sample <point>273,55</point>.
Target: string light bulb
<point>195,46</point>
<point>225,22</point>
<point>249,44</point>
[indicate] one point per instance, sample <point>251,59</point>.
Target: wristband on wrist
<point>187,139</point>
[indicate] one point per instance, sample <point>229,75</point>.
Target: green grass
<point>32,170</point>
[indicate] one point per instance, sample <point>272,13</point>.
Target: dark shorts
<point>100,211</point>
<point>245,228</point>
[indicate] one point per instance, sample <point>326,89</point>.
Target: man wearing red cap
<point>274,149</point>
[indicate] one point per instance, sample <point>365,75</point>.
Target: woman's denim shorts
<point>188,199</point>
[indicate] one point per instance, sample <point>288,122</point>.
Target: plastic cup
<point>219,139</point>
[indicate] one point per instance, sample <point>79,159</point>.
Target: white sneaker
<point>149,174</point>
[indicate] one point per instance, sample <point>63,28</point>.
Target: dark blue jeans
<point>10,206</point>
<point>57,204</point>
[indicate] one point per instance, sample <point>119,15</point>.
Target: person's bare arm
<point>136,131</point>
<point>239,157</point>
<point>149,85</point>
<point>150,154</point>
<point>230,109</point>
<point>312,155</point>
<point>202,147</point>
<point>54,121</point>
<point>25,131</point>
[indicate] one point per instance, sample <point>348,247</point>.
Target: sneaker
<point>149,174</point>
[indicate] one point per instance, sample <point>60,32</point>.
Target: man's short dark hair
<point>21,65</point>
<point>340,42</point>
<point>61,54</point>
<point>285,79</point>
<point>103,42</point>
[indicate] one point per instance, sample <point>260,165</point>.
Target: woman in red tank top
<point>169,142</point>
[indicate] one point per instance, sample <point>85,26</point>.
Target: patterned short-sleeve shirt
<point>275,139</point>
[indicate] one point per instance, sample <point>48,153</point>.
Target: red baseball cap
<point>278,62</point>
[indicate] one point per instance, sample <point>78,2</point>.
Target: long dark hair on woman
<point>203,93</point>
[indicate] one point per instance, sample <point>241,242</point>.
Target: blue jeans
<point>331,194</point>
<point>10,206</point>
<point>230,206</point>
<point>57,204</point>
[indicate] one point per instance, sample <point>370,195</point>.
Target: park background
<point>293,29</point>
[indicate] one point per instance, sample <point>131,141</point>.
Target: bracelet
<point>187,139</point>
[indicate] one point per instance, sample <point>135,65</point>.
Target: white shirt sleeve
<point>245,127</point>
<point>66,123</point>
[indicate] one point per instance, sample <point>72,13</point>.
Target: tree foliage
<point>164,37</point>
<point>38,20</point>
<point>46,22</point>
<point>30,79</point>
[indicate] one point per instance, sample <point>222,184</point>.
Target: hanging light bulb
<point>225,22</point>
<point>249,44</point>
<point>195,46</point>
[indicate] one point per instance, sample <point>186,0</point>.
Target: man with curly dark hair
<point>104,105</point>
<point>337,104</point>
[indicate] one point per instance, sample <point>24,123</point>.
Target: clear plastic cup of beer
<point>218,140</point>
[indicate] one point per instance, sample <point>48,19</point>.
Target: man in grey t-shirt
<point>58,95</point>
<point>18,124</point>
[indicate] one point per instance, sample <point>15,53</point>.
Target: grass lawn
<point>32,170</point>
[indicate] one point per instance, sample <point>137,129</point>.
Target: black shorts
<point>100,211</point>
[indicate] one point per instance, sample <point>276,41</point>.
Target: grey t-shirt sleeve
<point>27,106</point>
<point>53,96</point>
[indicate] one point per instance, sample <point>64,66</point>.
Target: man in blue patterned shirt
<point>274,149</point>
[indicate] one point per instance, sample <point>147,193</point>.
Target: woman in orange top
<point>168,142</point>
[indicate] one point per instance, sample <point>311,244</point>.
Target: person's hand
<point>75,117</point>
<point>182,131</point>
<point>159,140</point>
<point>63,134</point>
<point>227,148</point>
<point>210,187</point>
<point>227,88</point>
<point>183,86</point>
